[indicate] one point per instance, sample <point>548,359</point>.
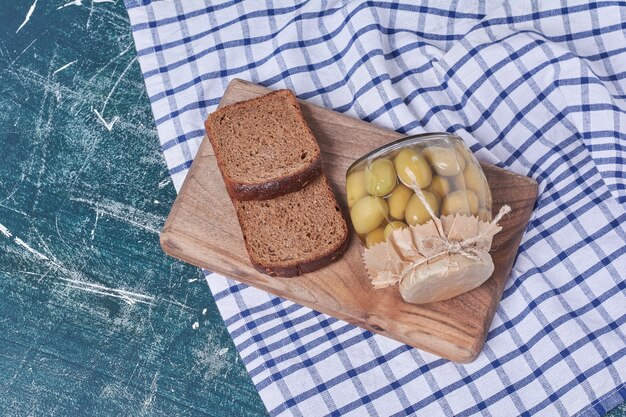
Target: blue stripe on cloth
<point>534,87</point>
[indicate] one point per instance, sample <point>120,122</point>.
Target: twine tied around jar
<point>464,247</point>
<point>406,252</point>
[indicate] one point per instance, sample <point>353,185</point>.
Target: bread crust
<point>265,190</point>
<point>304,267</point>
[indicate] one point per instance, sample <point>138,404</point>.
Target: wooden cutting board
<point>202,229</point>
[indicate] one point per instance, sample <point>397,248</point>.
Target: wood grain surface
<point>202,229</point>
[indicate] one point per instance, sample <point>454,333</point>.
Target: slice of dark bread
<point>263,146</point>
<point>294,233</point>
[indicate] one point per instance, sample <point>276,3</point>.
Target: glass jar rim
<point>399,143</point>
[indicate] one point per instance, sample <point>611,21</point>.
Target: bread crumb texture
<point>294,228</point>
<point>263,139</point>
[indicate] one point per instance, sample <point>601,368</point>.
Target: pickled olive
<point>473,201</point>
<point>380,177</point>
<point>440,186</point>
<point>375,236</point>
<point>368,213</point>
<point>355,187</point>
<point>412,168</point>
<point>416,213</point>
<point>393,226</point>
<point>457,182</point>
<point>443,160</point>
<point>460,159</point>
<point>381,186</point>
<point>461,202</point>
<point>484,215</point>
<point>464,152</point>
<point>474,179</point>
<point>398,200</point>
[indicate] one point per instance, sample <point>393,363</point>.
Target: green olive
<point>375,236</point>
<point>440,186</point>
<point>475,181</point>
<point>412,168</point>
<point>393,226</point>
<point>474,178</point>
<point>355,187</point>
<point>460,159</point>
<point>416,213</point>
<point>398,200</point>
<point>368,213</point>
<point>445,161</point>
<point>461,202</point>
<point>380,177</point>
<point>457,182</point>
<point>464,152</point>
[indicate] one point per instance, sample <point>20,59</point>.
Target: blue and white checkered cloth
<point>536,88</point>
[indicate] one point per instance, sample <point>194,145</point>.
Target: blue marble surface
<point>94,318</point>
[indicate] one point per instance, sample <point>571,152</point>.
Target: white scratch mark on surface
<point>95,224</point>
<point>89,17</point>
<point>183,307</point>
<point>127,296</point>
<point>111,61</point>
<point>164,183</point>
<point>71,3</point>
<point>28,15</point>
<point>76,279</point>
<point>204,312</point>
<point>105,1</point>
<point>156,201</point>
<point>13,210</point>
<point>190,280</point>
<point>108,125</point>
<point>195,325</point>
<point>119,79</point>
<point>124,212</point>
<point>222,352</point>
<point>64,67</point>
<point>153,391</point>
<point>19,242</point>
<point>35,252</point>
<point>5,231</point>
<point>24,50</point>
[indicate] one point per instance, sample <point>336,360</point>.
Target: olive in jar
<point>380,177</point>
<point>416,213</point>
<point>397,201</point>
<point>368,213</point>
<point>440,186</point>
<point>463,202</point>
<point>393,226</point>
<point>445,161</point>
<point>375,236</point>
<point>412,168</point>
<point>355,187</point>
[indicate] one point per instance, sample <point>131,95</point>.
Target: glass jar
<point>408,181</point>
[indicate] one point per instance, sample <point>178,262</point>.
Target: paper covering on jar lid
<point>440,259</point>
